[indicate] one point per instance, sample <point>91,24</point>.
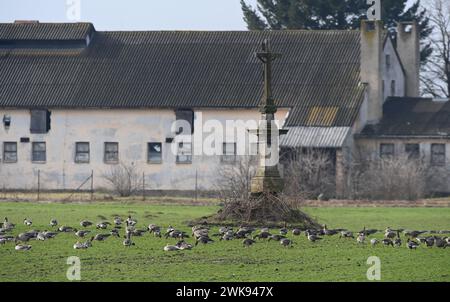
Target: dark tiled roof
<point>412,117</point>
<point>318,73</point>
<point>44,31</point>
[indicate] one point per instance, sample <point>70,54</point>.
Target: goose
<point>346,234</point>
<point>286,242</point>
<point>429,241</point>
<point>398,240</point>
<point>447,239</point>
<point>24,237</point>
<point>100,237</point>
<point>117,221</point>
<point>328,232</point>
<point>361,237</point>
<point>50,235</point>
<point>130,221</point>
<point>296,232</point>
<point>262,235</point>
<point>413,234</point>
<point>127,242</point>
<point>8,225</point>
<point>245,230</point>
<point>412,245</point>
<point>284,230</point>
<point>81,233</point>
<point>374,241</point>
<point>248,242</point>
<point>223,230</point>
<point>171,248</point>
<point>313,237</point>
<point>32,234</point>
<point>41,236</point>
<point>80,246</point>
<point>114,232</point>
<point>7,237</point>
<point>176,234</point>
<point>227,236</point>
<point>65,229</point>
<point>182,245</point>
<point>389,233</point>
<point>53,222</point>
<point>86,223</point>
<point>27,222</point>
<point>368,232</point>
<point>200,232</point>
<point>439,242</point>
<point>204,240</point>
<point>22,247</point>
<point>139,233</point>
<point>276,237</point>
<point>3,240</point>
<point>387,242</point>
<point>153,228</point>
<point>102,225</point>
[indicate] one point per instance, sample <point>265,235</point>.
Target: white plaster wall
<point>395,72</point>
<point>132,129</point>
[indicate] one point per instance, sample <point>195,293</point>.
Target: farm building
<point>75,100</point>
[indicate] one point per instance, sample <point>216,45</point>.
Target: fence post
<point>92,185</point>
<point>39,185</point>
<point>143,186</point>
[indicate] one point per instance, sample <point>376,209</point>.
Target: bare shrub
<point>396,178</point>
<point>234,180</point>
<point>308,174</point>
<point>125,178</point>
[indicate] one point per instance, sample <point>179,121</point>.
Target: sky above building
<point>131,14</point>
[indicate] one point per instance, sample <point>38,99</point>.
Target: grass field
<point>333,259</point>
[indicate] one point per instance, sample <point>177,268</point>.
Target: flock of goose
<point>200,233</point>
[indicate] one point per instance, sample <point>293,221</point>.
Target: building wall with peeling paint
<point>132,129</point>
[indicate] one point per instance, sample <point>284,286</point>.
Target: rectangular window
<point>438,154</point>
<point>386,150</point>
<point>82,152</point>
<point>413,151</point>
<point>10,152</point>
<point>154,153</point>
<point>39,152</point>
<point>40,121</point>
<point>229,152</point>
<point>184,155</point>
<point>111,153</point>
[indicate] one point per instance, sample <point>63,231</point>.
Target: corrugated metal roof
<point>44,31</point>
<point>405,116</point>
<point>185,69</point>
<point>315,137</point>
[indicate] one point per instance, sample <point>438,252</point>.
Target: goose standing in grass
<point>286,242</point>
<point>296,232</point>
<point>130,221</point>
<point>387,242</point>
<point>374,241</point>
<point>389,233</point>
<point>439,242</point>
<point>368,232</point>
<point>100,237</point>
<point>329,232</point>
<point>313,237</point>
<point>248,242</point>
<point>156,230</point>
<point>171,248</point>
<point>398,240</point>
<point>361,237</point>
<point>114,232</point>
<point>85,223</point>
<point>412,245</point>
<point>203,240</point>
<point>117,221</point>
<point>429,241</point>
<point>7,225</point>
<point>65,229</point>
<point>22,247</point>
<point>346,234</point>
<point>53,222</point>
<point>81,233</point>
<point>127,242</point>
<point>27,222</point>
<point>227,236</point>
<point>413,234</point>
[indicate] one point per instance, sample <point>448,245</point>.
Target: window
<point>184,155</point>
<point>186,115</point>
<point>413,151</point>
<point>111,153</point>
<point>387,150</point>
<point>229,152</point>
<point>388,62</point>
<point>40,121</point>
<point>393,88</point>
<point>39,153</point>
<point>10,152</point>
<point>438,154</point>
<point>81,152</point>
<point>154,155</point>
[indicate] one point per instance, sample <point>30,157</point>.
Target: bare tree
<point>125,178</point>
<point>309,174</point>
<point>435,77</point>
<point>396,178</point>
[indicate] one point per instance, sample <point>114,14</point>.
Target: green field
<point>333,259</point>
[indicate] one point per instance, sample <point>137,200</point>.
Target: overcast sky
<point>132,14</point>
